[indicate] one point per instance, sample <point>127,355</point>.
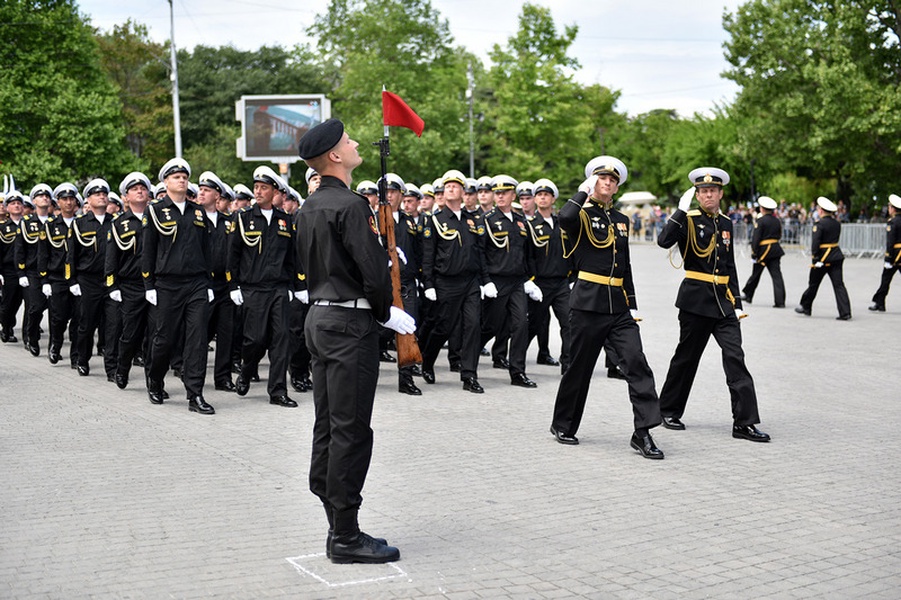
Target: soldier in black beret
<point>350,294</point>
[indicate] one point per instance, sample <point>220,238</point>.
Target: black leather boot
<point>350,545</point>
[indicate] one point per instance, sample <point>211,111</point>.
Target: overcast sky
<point>659,54</point>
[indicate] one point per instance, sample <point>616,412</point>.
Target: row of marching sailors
<point>471,275</point>
<point>160,280</point>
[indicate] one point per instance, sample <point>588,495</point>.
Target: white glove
<point>489,290</point>
<point>634,313</point>
<point>290,295</point>
<point>150,296</point>
<point>400,321</point>
<point>116,296</point>
<point>23,282</point>
<point>818,265</point>
<point>75,289</point>
<point>587,186</point>
<point>888,265</point>
<point>431,295</point>
<point>685,200</point>
<point>47,290</point>
<point>1,280</point>
<point>532,290</point>
<point>237,297</point>
<point>210,294</point>
<point>572,284</point>
<point>740,314</point>
<point>303,296</point>
<point>400,255</point>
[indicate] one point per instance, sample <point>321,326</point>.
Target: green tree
<point>139,68</point>
<point>539,122</point>
<point>403,45</point>
<point>820,91</point>
<point>60,117</point>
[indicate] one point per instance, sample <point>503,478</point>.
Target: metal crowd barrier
<point>857,239</point>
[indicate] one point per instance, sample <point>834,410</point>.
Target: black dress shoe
<point>225,386</point>
<point>406,386</point>
<point>298,385</point>
<point>255,377</point>
<point>236,367</point>
<point>4,337</point>
<point>35,350</point>
<point>83,370</point>
<point>484,352</point>
<point>242,386</point>
<point>673,423</point>
<point>778,306</point>
<point>328,543</point>
<point>385,357</point>
<point>156,396</point>
<point>111,377</point>
<point>563,438</point>
<point>549,361</point>
<point>645,445</point>
<point>362,548</point>
<point>54,356</point>
<point>456,367</point>
<point>843,318</point>
<point>745,298</point>
<point>501,363</point>
<point>283,401</point>
<point>178,373</point>
<point>615,373</point>
<point>428,375</point>
<point>876,307</point>
<point>749,432</point>
<point>521,380</point>
<point>199,405</point>
<point>164,395</point>
<point>138,361</point>
<point>471,384</point>
<point>307,383</point>
<point>416,370</point>
<point>121,380</point>
<point>802,311</point>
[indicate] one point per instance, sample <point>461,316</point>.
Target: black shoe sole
<point>739,436</point>
<point>673,427</point>
<point>648,456</point>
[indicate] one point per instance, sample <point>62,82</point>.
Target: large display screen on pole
<point>271,126</point>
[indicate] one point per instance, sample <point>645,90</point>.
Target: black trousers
<point>133,315</point>
<point>94,303</point>
<point>299,363</point>
<point>882,292</point>
<point>590,331</point>
<point>111,326</point>
<point>63,314</point>
<point>183,307</point>
<point>554,296</point>
<point>10,301</point>
<point>222,316</point>
<point>266,328</point>
<point>774,266</point>
<point>694,333</point>
<point>458,298</point>
<point>343,343</point>
<point>508,313</point>
<point>834,270</point>
<point>35,305</point>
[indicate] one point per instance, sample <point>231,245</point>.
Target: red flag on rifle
<point>396,113</point>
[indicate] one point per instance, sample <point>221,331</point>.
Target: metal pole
<point>176,114</point>
<point>472,143</point>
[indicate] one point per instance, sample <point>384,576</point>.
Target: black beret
<point>320,139</point>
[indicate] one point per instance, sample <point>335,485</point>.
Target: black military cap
<point>320,139</point>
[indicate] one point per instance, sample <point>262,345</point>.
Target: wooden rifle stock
<point>407,348</point>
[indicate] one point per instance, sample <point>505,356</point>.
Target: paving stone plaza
<point>108,496</point>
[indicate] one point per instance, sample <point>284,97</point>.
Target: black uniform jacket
<point>824,241</point>
<point>763,247</point>
<point>338,246</point>
<point>705,243</point>
<point>452,247</point>
<point>123,250</point>
<point>407,237</point>
<point>53,252</point>
<point>261,254</point>
<point>893,241</point>
<point>506,246</point>
<point>547,248</point>
<point>32,235</point>
<point>598,244</point>
<point>9,230</point>
<point>176,245</point>
<point>87,245</point>
<point>219,237</point>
